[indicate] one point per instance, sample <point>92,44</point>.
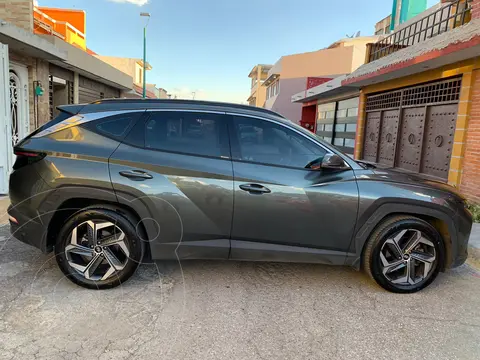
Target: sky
<point>210,46</point>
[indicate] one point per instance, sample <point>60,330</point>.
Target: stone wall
<point>17,12</point>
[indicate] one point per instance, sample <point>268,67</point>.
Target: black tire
<point>133,243</point>
<point>371,257</point>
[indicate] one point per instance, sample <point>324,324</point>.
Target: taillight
<point>26,158</point>
<point>25,153</point>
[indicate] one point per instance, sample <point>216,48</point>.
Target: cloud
<point>135,2</point>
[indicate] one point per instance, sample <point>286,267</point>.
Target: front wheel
<point>404,254</point>
<point>98,248</point>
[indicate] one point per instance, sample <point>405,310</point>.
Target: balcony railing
<point>442,20</point>
<point>45,24</point>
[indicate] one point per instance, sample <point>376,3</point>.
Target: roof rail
<point>151,102</point>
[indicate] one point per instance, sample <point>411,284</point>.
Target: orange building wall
<point>76,18</point>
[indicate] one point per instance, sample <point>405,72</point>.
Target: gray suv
<point>110,184</point>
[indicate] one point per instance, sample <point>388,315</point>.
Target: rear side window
<point>193,133</point>
<point>116,126</point>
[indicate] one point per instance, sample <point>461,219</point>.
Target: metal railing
<point>442,20</point>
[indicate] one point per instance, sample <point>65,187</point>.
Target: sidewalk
<point>4,202</point>
<point>474,247</point>
<point>475,236</point>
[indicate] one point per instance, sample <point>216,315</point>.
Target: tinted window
<point>116,126</point>
<point>269,143</point>
<point>186,132</point>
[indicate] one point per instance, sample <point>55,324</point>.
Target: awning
<point>27,43</point>
<point>332,88</point>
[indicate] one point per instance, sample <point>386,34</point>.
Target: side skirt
<point>258,251</point>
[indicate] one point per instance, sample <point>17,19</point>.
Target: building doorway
<point>14,118</point>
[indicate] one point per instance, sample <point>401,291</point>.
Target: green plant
<point>475,210</point>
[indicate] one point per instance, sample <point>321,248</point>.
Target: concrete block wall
<point>17,12</point>
<point>42,75</point>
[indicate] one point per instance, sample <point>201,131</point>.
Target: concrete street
<point>231,310</point>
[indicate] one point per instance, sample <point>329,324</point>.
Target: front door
<point>388,137</point>
<point>174,169</point>
<point>17,123</point>
<point>284,211</point>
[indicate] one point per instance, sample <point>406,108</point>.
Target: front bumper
<point>463,227</point>
<point>27,230</point>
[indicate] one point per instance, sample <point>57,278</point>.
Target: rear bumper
<point>27,230</point>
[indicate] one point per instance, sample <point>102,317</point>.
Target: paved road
<point>231,310</point>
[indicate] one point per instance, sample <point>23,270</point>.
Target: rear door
<point>174,169</point>
<point>283,210</point>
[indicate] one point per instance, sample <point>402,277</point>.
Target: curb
<point>473,258</point>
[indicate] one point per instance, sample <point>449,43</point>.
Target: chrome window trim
<point>187,110</point>
<point>82,119</point>
<point>285,126</point>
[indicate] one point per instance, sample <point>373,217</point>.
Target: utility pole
<point>147,15</point>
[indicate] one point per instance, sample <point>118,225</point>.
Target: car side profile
<point>109,184</point>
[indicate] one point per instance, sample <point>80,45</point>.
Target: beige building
<point>134,68</point>
<point>258,74</point>
<point>160,93</point>
<point>383,26</point>
<point>291,74</point>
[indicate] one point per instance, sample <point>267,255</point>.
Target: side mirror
<point>334,162</point>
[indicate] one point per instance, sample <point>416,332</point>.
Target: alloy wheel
<point>408,257</point>
<point>97,250</point>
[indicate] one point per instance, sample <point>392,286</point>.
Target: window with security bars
<point>50,96</point>
<point>384,101</point>
<point>70,87</point>
<point>434,93</point>
<point>444,91</point>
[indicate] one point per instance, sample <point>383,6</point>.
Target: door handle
<point>255,188</point>
<point>136,175</point>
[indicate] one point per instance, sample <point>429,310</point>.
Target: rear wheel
<point>98,248</point>
<point>404,254</point>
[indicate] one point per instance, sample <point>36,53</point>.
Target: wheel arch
<point>439,219</point>
<point>70,206</point>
